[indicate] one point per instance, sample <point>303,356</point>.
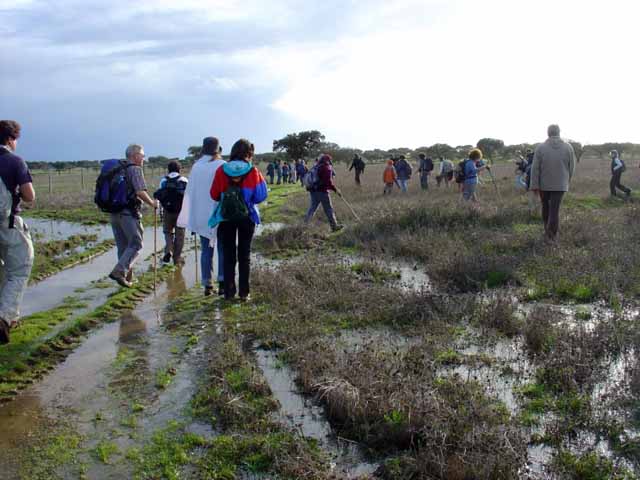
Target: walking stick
<point>155,247</point>
<point>348,205</point>
<point>195,242</point>
<point>493,180</point>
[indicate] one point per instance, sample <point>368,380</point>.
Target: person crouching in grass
<point>238,187</point>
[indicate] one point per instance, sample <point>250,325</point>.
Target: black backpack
<point>460,173</point>
<point>171,194</point>
<point>233,208</point>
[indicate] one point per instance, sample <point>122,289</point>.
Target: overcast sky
<point>87,77</point>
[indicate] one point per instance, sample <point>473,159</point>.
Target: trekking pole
<point>493,180</point>
<point>155,247</point>
<point>195,243</point>
<point>348,205</point>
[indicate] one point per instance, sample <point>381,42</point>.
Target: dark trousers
<point>551,213</point>
<point>615,184</point>
<point>358,173</point>
<point>239,252</point>
<point>321,198</point>
<point>424,180</point>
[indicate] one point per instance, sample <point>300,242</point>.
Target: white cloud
<point>493,68</point>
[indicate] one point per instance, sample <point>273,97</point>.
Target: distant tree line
<point>309,144</point>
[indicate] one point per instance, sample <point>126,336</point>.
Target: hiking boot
<point>337,228</point>
<point>220,289</point>
<point>120,277</point>
<point>166,258</point>
<point>208,290</point>
<point>178,262</point>
<point>129,276</point>
<point>245,298</point>
<point>4,332</point>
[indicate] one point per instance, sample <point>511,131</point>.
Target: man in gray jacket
<point>553,165</point>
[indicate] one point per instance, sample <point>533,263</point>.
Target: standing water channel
<point>106,393</point>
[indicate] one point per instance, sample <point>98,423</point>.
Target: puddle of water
<point>411,276</point>
<point>44,230</point>
<point>309,419</point>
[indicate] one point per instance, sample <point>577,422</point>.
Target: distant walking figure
<point>358,165</point>
<point>617,169</point>
<point>446,172</point>
<point>426,167</point>
<point>404,171</point>
<point>554,163</point>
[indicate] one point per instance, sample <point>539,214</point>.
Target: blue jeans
<point>404,184</point>
<point>321,198</point>
<point>206,262</point>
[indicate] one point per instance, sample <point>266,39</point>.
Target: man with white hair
<point>127,223</point>
<point>553,165</point>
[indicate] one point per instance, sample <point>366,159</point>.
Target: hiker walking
<point>358,165</point>
<point>425,169</point>
<point>271,170</point>
<point>170,194</point>
<point>239,187</point>
<point>446,172</point>
<point>617,169</point>
<point>551,172</point>
<point>197,207</point>
<point>467,175</point>
<point>389,177</point>
<point>16,248</point>
<point>127,222</point>
<point>404,171</point>
<point>285,173</point>
<point>301,170</point>
<point>319,183</point>
<point>278,169</point>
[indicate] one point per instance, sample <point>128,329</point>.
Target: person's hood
<point>173,174</point>
<point>237,168</point>
<point>555,142</point>
<point>390,162</point>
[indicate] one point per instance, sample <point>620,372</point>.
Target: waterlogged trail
<point>51,291</point>
<point>135,364</point>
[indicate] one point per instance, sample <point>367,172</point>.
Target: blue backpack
<point>112,195</point>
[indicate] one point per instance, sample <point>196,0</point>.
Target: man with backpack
<point>319,181</point>
<point>170,194</point>
<point>123,182</point>
<point>553,165</point>
<point>359,166</point>
<point>16,248</point>
<point>617,169</point>
<point>404,171</point>
<point>425,169</point>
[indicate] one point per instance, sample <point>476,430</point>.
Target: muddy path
<point>137,367</point>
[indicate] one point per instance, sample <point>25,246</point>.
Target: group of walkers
<point>284,172</point>
<point>218,203</point>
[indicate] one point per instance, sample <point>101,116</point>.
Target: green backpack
<point>233,208</point>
